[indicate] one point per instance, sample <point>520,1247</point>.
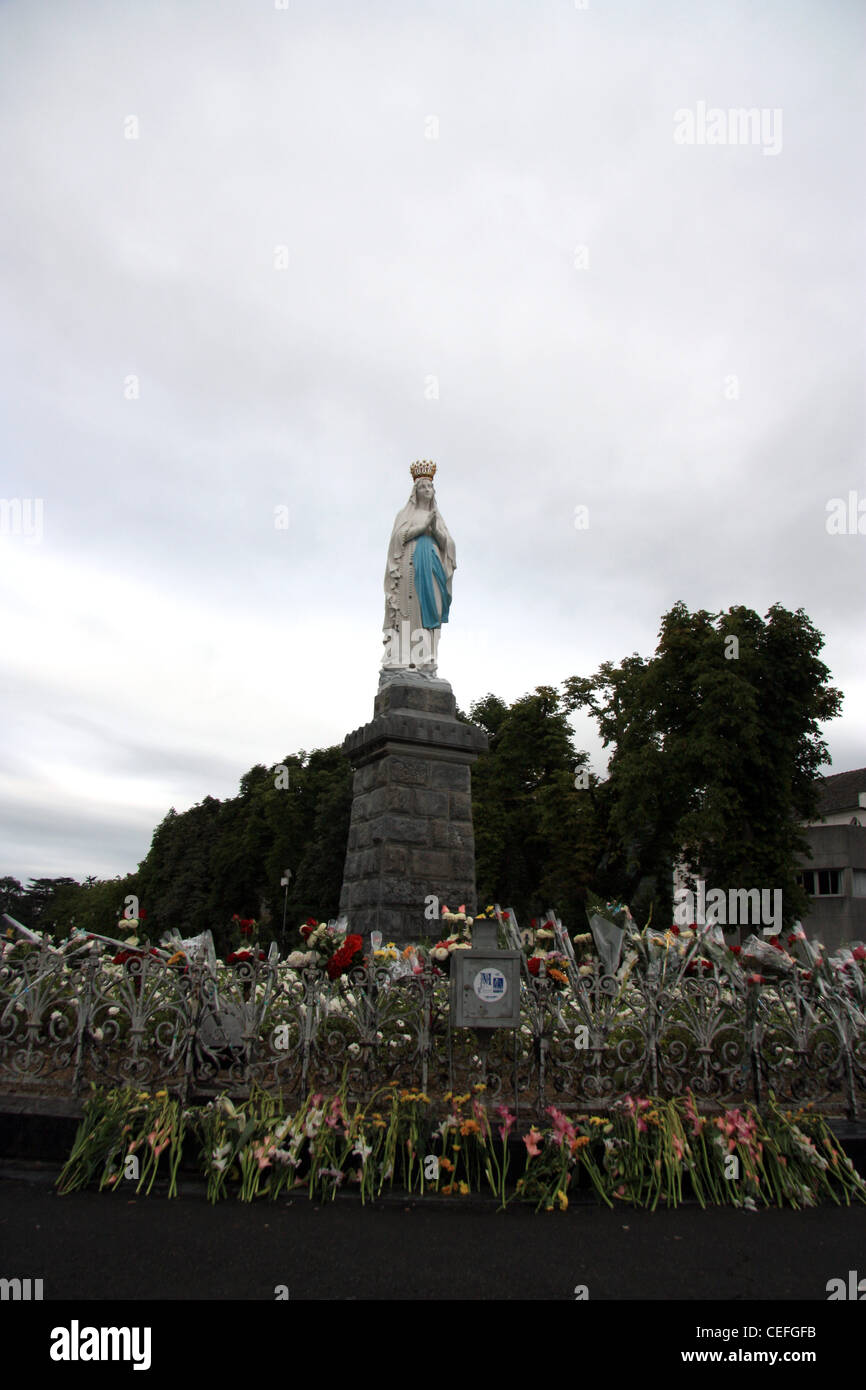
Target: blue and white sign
<point>490,985</point>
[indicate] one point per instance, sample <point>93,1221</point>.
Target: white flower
<point>113,1011</point>
<point>354,1049</point>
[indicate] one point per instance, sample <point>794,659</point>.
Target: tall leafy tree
<point>717,747</point>
<point>535,831</point>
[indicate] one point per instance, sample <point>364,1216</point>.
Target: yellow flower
<point>446,1164</point>
<point>479,1086</point>
<point>562,1200</point>
<point>464,1189</point>
<point>447,1095</point>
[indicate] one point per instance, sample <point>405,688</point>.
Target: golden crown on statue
<point>422,468</point>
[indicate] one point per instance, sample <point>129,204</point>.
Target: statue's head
<point>423,472</point>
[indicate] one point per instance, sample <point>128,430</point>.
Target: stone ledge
<point>434,735</point>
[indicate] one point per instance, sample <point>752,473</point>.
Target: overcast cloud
<point>256,258</point>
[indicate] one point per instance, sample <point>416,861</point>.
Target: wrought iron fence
<point>69,1019</point>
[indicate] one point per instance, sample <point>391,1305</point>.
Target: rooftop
<point>841,792</point>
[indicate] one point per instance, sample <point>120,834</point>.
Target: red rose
<point>735,950</point>
<point>774,941</point>
<point>675,929</point>
<point>534,965</point>
<point>342,959</point>
<point>859,953</point>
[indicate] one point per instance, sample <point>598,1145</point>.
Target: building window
<point>821,883</point>
<point>859,883</point>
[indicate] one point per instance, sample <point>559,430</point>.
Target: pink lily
<point>531,1140</point>
<point>508,1121</point>
<point>562,1127</point>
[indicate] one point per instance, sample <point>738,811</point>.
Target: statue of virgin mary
<point>421,562</point>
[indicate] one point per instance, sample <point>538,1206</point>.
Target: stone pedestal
<point>410,835</point>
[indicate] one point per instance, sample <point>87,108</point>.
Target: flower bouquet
<point>609,924</point>
<point>248,929</point>
<point>328,948</point>
<point>459,938</point>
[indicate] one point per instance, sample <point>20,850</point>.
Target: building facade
<point>835,874</point>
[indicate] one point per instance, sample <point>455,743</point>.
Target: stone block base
<point>410,835</point>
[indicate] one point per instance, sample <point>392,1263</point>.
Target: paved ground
<point>94,1245</point>
<point>655,1284</point>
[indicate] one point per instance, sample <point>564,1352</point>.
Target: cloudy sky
<point>259,256</point>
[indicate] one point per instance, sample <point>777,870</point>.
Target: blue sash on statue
<point>428,567</point>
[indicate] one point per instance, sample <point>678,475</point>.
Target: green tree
<point>222,858</point>
<point>13,899</point>
<point>717,748</point>
<point>536,838</point>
